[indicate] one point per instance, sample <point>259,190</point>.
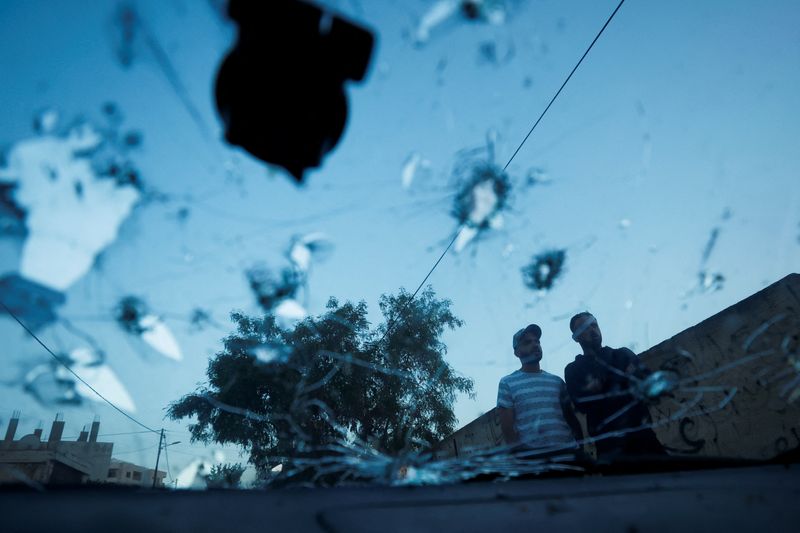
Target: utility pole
<point>155,472</point>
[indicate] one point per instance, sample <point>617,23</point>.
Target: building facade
<point>125,473</point>
<point>58,462</point>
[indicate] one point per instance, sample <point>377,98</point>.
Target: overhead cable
<point>553,99</point>
<point>65,365</point>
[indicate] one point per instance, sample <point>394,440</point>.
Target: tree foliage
<point>332,379</point>
<point>226,476</point>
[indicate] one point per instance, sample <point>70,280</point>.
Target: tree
<point>285,395</point>
<point>225,476</point>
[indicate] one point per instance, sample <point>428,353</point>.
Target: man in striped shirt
<point>535,409</point>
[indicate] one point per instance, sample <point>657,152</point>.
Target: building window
<point>137,476</point>
<point>114,472</point>
<point>127,474</point>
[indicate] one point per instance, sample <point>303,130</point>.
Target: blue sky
<point>683,118</point>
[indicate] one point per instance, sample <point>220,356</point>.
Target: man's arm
<point>568,408</point>
<point>574,388</point>
<point>505,408</point>
<point>634,366</point>
<point>507,425</point>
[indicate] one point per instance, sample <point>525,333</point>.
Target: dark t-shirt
<point>601,388</point>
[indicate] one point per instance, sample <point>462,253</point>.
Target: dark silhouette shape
<point>129,313</point>
<point>545,268</point>
<point>602,383</point>
<point>12,216</point>
<point>32,302</point>
<point>271,290</point>
<point>280,91</point>
<point>336,399</point>
<point>483,194</point>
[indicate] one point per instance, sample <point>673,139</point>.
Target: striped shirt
<point>538,416</point>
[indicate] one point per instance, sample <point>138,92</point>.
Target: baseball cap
<point>531,328</point>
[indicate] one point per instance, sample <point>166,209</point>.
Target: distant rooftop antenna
<point>95,429</point>
<point>12,426</point>
<point>57,430</point>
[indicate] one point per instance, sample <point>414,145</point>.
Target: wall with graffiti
<point>726,387</point>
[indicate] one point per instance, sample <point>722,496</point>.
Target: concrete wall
<point>90,458</point>
<point>749,353</point>
<point>40,466</point>
<point>738,375</point>
<point>485,433</point>
<point>482,433</point>
<point>12,472</point>
<point>54,460</point>
<point>95,456</point>
<point>126,473</point>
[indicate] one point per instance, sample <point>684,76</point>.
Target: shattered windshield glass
<point>517,239</point>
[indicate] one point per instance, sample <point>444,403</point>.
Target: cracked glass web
<point>129,232</point>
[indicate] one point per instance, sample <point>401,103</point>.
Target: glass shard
<point>72,213</point>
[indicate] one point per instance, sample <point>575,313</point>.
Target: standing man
<point>601,383</point>
<point>534,405</point>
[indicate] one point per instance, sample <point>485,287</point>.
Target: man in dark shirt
<point>602,383</point>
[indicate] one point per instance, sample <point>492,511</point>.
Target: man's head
<point>585,330</point>
<point>526,344</point>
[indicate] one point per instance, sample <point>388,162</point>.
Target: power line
<point>524,140</point>
<point>564,84</point>
<point>111,434</point>
<point>65,365</point>
<point>421,284</point>
<point>125,433</point>
<point>391,323</point>
<point>436,264</point>
<point>455,236</point>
